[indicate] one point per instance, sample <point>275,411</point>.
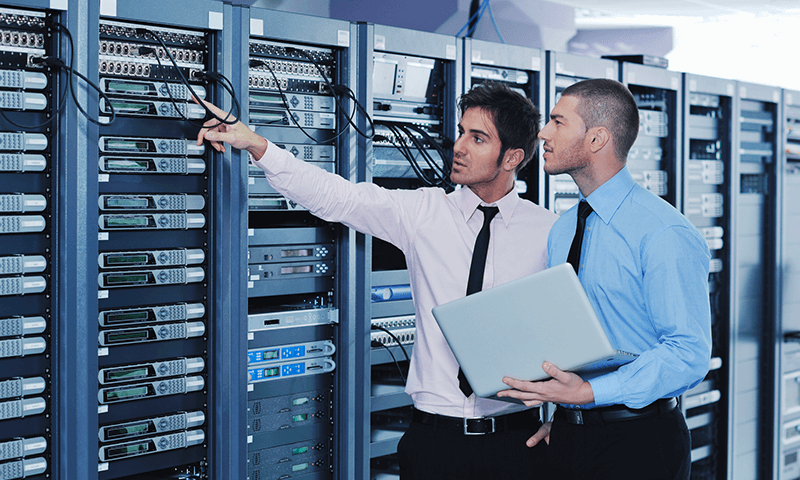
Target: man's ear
<point>598,138</point>
<point>512,158</point>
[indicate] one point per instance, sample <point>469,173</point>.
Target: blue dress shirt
<point>645,270</point>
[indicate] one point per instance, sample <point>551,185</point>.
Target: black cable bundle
<point>57,62</point>
<point>441,174</point>
<point>226,84</point>
<point>375,343</point>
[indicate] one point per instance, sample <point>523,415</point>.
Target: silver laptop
<point>511,329</point>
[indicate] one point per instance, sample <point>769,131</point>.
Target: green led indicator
<point>129,107</point>
<point>300,418</point>
<point>128,317</point>
<point>126,393</point>
<point>127,336</point>
<point>127,259</point>
<point>126,279</point>
<point>126,221</point>
<point>130,165</point>
<point>122,87</point>
<point>299,450</point>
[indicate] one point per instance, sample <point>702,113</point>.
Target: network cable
<point>226,84</point>
<point>57,62</point>
<point>335,89</point>
<point>475,18</point>
<point>394,337</point>
<point>402,131</point>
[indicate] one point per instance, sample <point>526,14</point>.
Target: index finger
<point>214,109</point>
<point>518,384</point>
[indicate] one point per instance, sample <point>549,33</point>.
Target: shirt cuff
<point>606,389</point>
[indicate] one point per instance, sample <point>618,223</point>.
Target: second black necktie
<point>574,257</point>
<point>476,269</point>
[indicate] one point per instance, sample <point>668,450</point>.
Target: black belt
<point>526,419</point>
<point>614,413</point>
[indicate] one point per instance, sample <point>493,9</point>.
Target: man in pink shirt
<point>452,435</point>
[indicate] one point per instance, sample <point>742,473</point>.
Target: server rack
<point>415,82</point>
<point>707,152</point>
<point>787,394</point>
<point>521,69</point>
<point>299,349</point>
<point>558,192</point>
<point>753,250</point>
<point>160,270</point>
<point>31,156</point>
<point>655,156</point>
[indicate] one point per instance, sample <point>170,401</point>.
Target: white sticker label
<point>450,52</point>
<point>58,5</point>
<point>251,180</point>
<point>102,294</point>
<point>251,336</point>
<point>257,27</point>
<point>215,20</point>
<point>32,223</point>
<point>102,467</point>
<point>251,232</point>
<point>102,352</point>
<point>380,42</point>
<point>108,8</point>
<point>103,178</point>
<point>102,236</point>
<point>102,409</point>
<point>343,38</point>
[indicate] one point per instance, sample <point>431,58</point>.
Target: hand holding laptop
<point>563,387</point>
<point>511,330</point>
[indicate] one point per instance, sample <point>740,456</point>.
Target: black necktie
<point>476,269</point>
<point>574,257</point>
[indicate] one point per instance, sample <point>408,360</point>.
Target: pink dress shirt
<point>436,232</point>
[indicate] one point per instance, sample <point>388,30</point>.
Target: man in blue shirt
<point>645,270</point>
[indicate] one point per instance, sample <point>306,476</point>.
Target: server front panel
<point>708,107</point>
<point>756,134</point>
<point>29,116</point>
<point>299,99</point>
<point>155,231</point>
<point>788,393</point>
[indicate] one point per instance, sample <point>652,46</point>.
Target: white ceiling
<point>698,8</point>
<point>748,40</point>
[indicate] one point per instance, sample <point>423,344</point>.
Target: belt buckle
<point>575,416</point>
<point>466,422</point>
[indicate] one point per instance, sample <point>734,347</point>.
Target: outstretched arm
<point>236,135</point>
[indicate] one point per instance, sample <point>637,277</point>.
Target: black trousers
<point>432,453</point>
<point>651,448</point>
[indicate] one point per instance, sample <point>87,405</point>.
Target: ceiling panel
<point>680,7</point>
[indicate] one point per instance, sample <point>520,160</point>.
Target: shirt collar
<point>469,203</point>
<point>608,197</point>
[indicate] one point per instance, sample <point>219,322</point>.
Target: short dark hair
<point>608,103</point>
<point>515,117</point>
